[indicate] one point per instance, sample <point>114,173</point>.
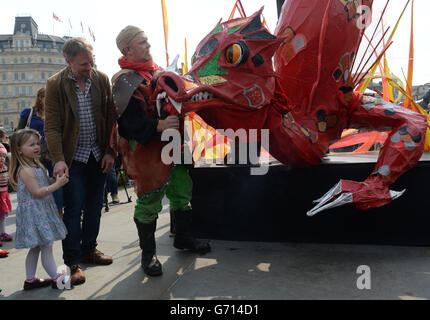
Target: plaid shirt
<point>87,138</point>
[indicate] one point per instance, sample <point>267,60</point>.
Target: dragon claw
<point>362,194</point>
<point>396,194</point>
<point>332,199</point>
<point>332,192</point>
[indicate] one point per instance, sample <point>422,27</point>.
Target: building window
<point>3,61</point>
<point>4,91</point>
<point>5,106</point>
<point>3,76</point>
<point>28,60</point>
<point>30,76</point>
<point>16,76</point>
<point>50,75</point>
<point>16,91</point>
<point>22,76</point>
<point>43,75</point>
<point>22,60</point>
<point>6,121</point>
<point>49,60</point>
<point>30,91</point>
<point>42,60</point>
<point>15,60</point>
<point>23,90</point>
<point>23,104</point>
<point>21,43</point>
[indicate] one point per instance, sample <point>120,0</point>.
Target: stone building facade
<point>27,60</point>
<point>418,92</point>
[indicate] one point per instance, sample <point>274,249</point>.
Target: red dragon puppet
<point>306,100</point>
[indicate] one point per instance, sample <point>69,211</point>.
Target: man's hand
<point>107,163</point>
<point>61,169</point>
<point>171,122</point>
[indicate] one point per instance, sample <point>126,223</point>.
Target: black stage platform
<point>230,204</point>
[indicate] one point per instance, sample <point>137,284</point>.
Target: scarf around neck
<point>145,69</point>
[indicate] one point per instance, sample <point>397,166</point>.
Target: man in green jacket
<point>79,117</point>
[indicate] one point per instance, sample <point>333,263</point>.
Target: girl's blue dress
<point>37,220</point>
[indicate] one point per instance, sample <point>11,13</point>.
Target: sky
<point>193,20</point>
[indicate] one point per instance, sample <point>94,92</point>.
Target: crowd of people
<point>62,161</point>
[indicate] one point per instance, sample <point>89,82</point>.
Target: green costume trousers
<point>178,189</point>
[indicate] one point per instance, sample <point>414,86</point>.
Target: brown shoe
<point>97,257</point>
<point>77,275</point>
<point>37,283</point>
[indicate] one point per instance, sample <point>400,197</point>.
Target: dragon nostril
<point>171,83</point>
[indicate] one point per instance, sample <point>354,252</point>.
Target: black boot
<point>150,263</point>
<point>183,237</point>
<point>172,224</point>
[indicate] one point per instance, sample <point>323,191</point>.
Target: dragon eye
<point>234,54</point>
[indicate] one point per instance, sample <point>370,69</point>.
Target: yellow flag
<point>388,89</point>
<point>185,70</point>
<point>166,29</point>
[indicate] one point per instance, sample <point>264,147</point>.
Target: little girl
<point>5,206</point>
<point>38,224</point>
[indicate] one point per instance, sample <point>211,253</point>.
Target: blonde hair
<point>17,161</point>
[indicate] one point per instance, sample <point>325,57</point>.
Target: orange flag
<point>408,102</point>
<point>166,29</point>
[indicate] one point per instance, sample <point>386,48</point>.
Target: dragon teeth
<point>177,105</point>
<point>160,96</point>
<point>204,95</point>
<point>158,104</point>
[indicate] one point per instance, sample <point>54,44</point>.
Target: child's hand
<point>62,180</point>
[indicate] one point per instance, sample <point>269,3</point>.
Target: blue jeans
<point>85,192</point>
<point>111,182</point>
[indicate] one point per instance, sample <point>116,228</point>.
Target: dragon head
<point>231,67</point>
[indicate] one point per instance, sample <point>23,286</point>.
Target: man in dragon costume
<point>306,101</point>
<point>139,129</point>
